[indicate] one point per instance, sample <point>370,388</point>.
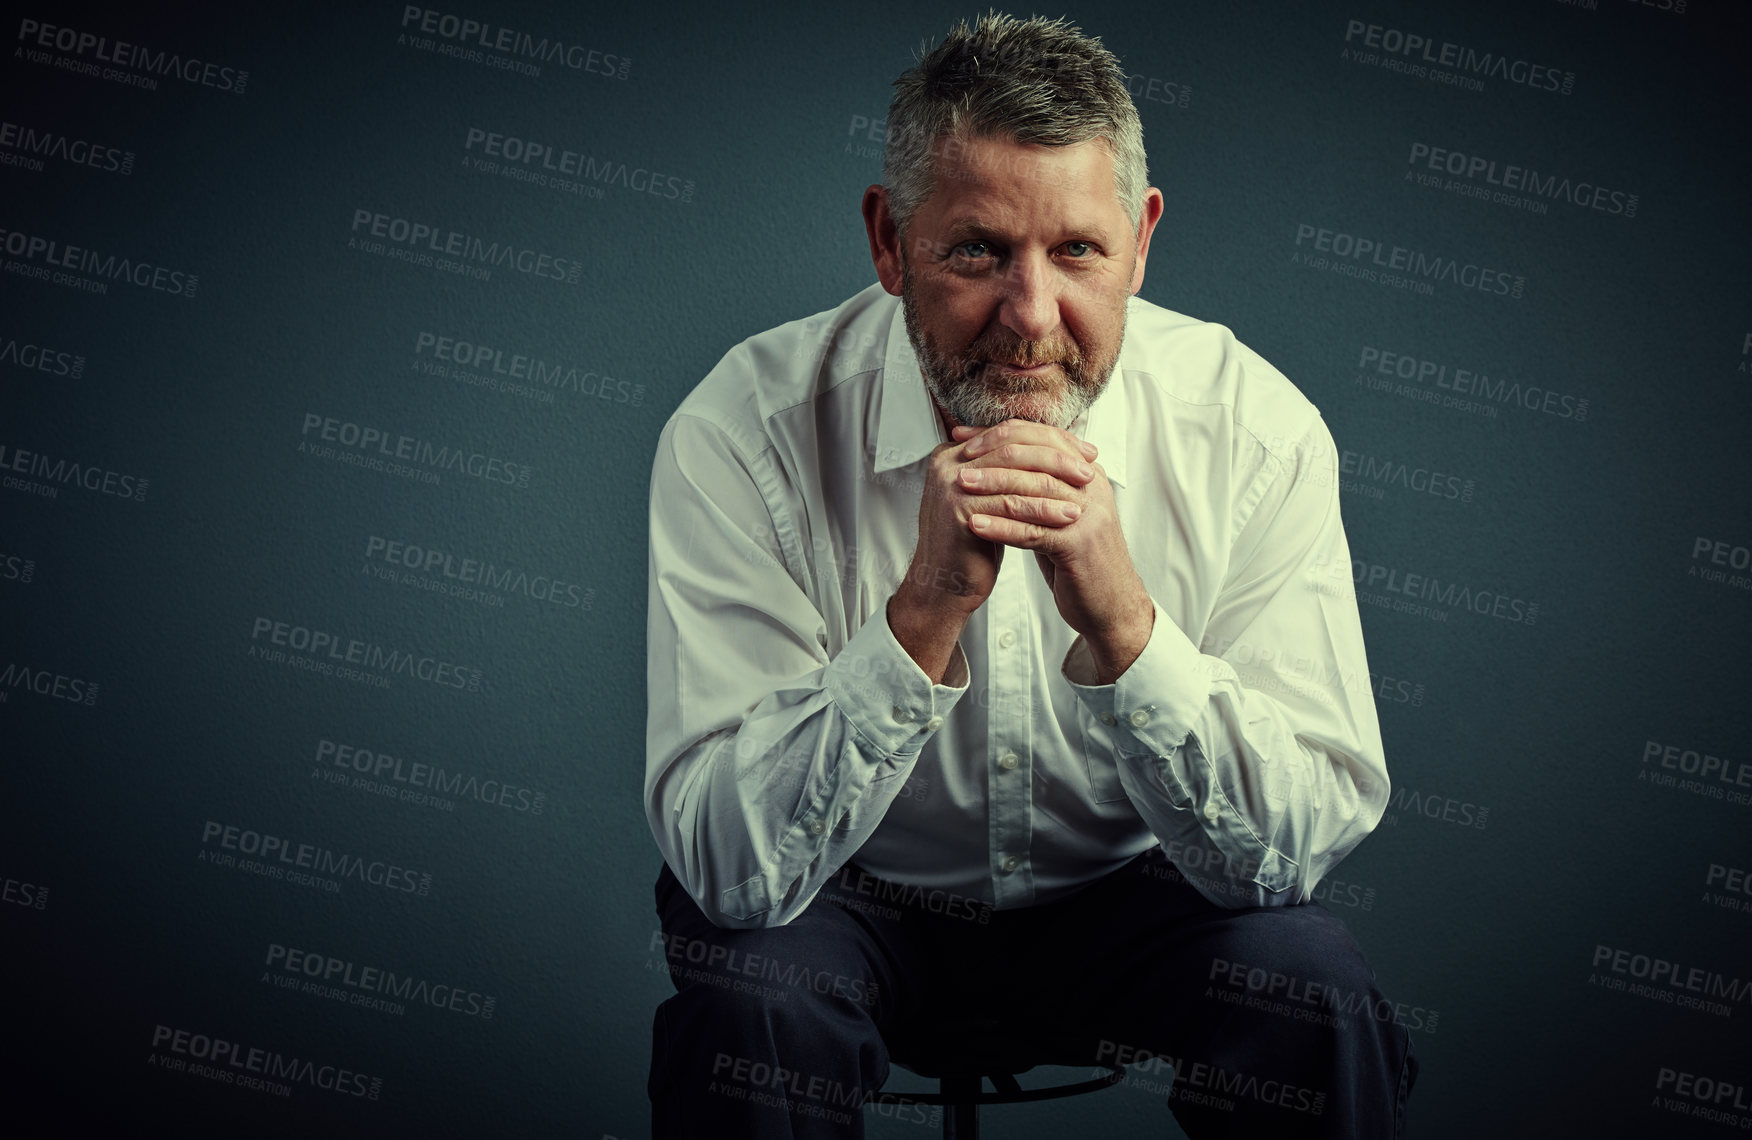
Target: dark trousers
<point>1267,1019</point>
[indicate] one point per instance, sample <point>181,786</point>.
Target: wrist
<point>938,593</point>
<point>928,634</point>
<point>923,611</point>
<point>1113,650</point>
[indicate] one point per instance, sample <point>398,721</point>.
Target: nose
<point>1030,307</point>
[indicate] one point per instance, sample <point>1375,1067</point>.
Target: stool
<point>961,1051</point>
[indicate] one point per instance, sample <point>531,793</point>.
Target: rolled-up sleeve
<point>769,761</point>
<point>1255,756</point>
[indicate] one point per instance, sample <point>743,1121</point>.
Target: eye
<point>1079,249</point>
<point>974,250</point>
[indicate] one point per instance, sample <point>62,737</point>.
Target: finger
<point>1027,431</point>
<point>1025,508</point>
<point>962,434</point>
<point>1011,532</point>
<point>1038,457</point>
<point>985,480</point>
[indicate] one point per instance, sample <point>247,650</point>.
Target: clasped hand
<point>1037,487</point>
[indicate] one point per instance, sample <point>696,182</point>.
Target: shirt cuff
<point>1158,698</point>
<point>880,689</point>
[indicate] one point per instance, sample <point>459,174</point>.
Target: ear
<point>1147,219</point>
<point>884,238</point>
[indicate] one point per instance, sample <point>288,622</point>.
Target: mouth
<point>1024,369</point>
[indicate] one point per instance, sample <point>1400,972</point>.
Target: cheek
<point>956,318</point>
<point>1099,326</point>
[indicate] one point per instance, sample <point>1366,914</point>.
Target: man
<point>1001,657</point>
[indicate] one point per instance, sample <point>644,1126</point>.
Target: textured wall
<point>323,634</point>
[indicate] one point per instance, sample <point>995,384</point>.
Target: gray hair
<point>1036,81</point>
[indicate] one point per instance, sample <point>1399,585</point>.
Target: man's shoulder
<point>793,363</point>
<point>1202,364</point>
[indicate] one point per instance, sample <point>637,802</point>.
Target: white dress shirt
<point>788,732</point>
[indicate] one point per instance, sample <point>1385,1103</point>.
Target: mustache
<point>1004,347</point>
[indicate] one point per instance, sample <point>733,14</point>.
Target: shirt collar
<point>908,427</point>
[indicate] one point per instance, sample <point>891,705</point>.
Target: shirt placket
<point>1010,651</point>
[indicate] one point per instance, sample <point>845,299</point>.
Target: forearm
<point>1276,775</point>
<point>1113,651</point>
<point>927,624</point>
<point>1278,808</point>
<point>756,816</point>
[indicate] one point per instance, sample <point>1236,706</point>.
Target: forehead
<point>1002,181</point>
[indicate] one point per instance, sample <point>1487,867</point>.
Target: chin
<point>1041,411</point>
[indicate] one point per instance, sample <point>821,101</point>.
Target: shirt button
<point>816,827</point>
<point>1139,718</point>
<point>1007,638</point>
<point>934,724</point>
<point>1108,718</point>
<point>904,716</point>
<point>1211,811</point>
<point>1008,761</point>
<point>1011,863</point>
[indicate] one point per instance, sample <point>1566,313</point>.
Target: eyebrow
<point>963,228</point>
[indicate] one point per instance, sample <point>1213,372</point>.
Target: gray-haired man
<point>1089,788</point>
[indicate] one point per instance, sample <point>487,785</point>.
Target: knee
<point>800,1016</point>
<point>766,1040</point>
<point>1295,954</point>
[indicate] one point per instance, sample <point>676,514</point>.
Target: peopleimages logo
<point>234,1063</point>
<point>63,472</point>
<point>1477,385</point>
<point>41,358</point>
<point>475,362</point>
<point>477,41</point>
<point>383,769</point>
<point>1665,980</point>
<point>1373,472</point>
<point>17,676</point>
<point>1377,259</point>
<point>452,251</point>
<point>1482,174</point>
<point>26,147</point>
<point>133,64</point>
<point>370,986</point>
<point>17,892</point>
<point>438,569</point>
<point>543,164</point>
<point>42,257</point>
<point>273,854</point>
<point>17,568</point>
<point>1434,805</point>
<point>1444,61</point>
<point>1151,89</point>
<point>331,654</point>
<point>366,444</point>
<point>1405,590</point>
<point>1703,1097</point>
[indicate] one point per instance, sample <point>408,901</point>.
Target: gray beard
<point>981,397</point>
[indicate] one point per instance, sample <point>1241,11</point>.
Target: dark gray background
<point>1541,727</point>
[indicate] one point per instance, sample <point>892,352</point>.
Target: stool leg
<point>960,1119</point>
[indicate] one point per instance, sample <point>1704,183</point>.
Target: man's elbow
<point>744,906</point>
